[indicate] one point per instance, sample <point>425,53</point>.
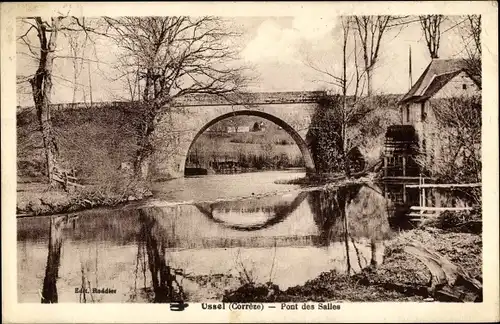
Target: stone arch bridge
<point>177,132</point>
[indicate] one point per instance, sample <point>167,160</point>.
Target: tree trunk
<point>49,290</point>
<point>346,241</point>
<point>373,248</point>
<point>369,81</point>
<point>141,167</point>
<point>75,80</point>
<point>42,87</point>
<point>48,140</point>
<point>149,120</point>
<point>144,152</point>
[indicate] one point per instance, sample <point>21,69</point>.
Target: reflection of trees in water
<point>49,288</point>
<point>152,245</point>
<point>329,209</point>
<point>279,209</point>
<point>368,213</point>
<point>349,213</point>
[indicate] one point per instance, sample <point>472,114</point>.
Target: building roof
<point>438,73</point>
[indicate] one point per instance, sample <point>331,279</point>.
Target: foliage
<point>338,127</point>
<point>325,136</point>
<point>454,152</point>
<point>459,222</point>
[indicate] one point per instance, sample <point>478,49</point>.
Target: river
<point>200,236</point>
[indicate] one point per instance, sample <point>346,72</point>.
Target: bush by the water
<point>360,125</point>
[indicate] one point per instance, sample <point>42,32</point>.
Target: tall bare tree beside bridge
<point>40,38</point>
<point>41,83</point>
<point>337,114</point>
<point>173,57</point>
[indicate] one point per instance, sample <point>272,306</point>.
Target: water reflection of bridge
<point>318,213</point>
<point>347,225</point>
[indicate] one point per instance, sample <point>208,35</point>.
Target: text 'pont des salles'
<point>260,306</point>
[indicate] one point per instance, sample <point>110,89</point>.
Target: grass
<point>246,143</point>
<point>253,150</point>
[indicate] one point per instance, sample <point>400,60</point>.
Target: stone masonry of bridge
<point>178,130</point>
<point>292,111</point>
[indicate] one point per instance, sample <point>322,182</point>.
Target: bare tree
<point>41,83</point>
<point>431,26</point>
<point>77,45</point>
<point>344,110</point>
<point>174,57</point>
<point>351,74</point>
<point>371,29</point>
<point>474,25</point>
<point>370,32</point>
<point>454,155</point>
<point>43,51</point>
<point>368,35</point>
<point>471,34</point>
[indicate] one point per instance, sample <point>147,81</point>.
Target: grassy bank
<point>93,141</point>
<point>37,198</point>
<point>265,150</point>
<point>401,277</point>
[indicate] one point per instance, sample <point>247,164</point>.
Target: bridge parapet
<point>245,98</point>
<point>251,98</point>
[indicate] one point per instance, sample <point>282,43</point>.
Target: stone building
<point>442,80</point>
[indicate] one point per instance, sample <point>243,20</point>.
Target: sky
<point>280,51</point>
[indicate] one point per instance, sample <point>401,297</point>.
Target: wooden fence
<point>423,210</point>
<point>67,179</point>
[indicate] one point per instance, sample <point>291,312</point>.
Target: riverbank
<point>328,180</point>
<point>34,197</point>
<point>401,277</point>
<point>37,199</point>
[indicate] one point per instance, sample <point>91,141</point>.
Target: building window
<point>407,113</point>
<point>423,114</point>
<point>464,86</point>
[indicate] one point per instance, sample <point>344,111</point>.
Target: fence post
<point>385,166</point>
<point>423,194</point>
<point>404,165</point>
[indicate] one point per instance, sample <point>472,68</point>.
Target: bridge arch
<point>304,149</point>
